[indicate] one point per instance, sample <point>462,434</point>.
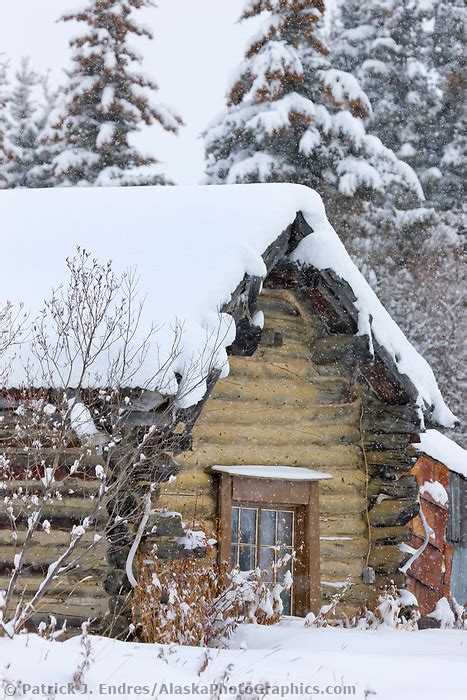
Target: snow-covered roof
<point>191,246</point>
<point>444,450</point>
<point>259,471</point>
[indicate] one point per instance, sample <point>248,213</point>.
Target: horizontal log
<point>391,512</point>
<point>63,514</point>
<point>404,487</point>
<point>84,488</point>
<point>289,331</point>
<point>279,392</point>
<point>81,608</point>
<point>341,569</point>
<point>387,559</point>
<point>253,368</point>
<point>60,587</point>
<point>293,349</point>
<point>340,549</point>
<point>198,506</point>
<point>386,418</point>
<point>390,535</point>
<point>280,353</point>
<point>381,442</point>
<point>343,525</point>
<point>397,459</point>
<point>280,310</point>
<point>55,539</point>
<point>358,592</point>
<point>41,556</point>
<point>279,301</point>
<point>384,579</point>
<point>50,453</point>
<point>348,349</point>
<point>344,481</point>
<point>336,503</point>
<point>248,411</point>
<point>263,433</point>
<point>207,455</point>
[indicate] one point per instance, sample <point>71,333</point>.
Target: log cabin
<point>294,398</point>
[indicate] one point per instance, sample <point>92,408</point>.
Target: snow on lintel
<point>283,473</point>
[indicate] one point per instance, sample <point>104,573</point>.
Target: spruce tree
<point>21,129</point>
<point>47,148</point>
<point>388,45</point>
<point>293,116</point>
<point>407,56</point>
<point>449,59</point>
<point>107,100</point>
<point>3,120</point>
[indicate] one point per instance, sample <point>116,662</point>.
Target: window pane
<point>247,558</point>
<point>286,598</point>
<point>234,555</point>
<point>235,524</point>
<point>268,527</point>
<point>281,574</point>
<point>266,560</point>
<point>285,528</point>
<point>459,574</point>
<point>248,525</point>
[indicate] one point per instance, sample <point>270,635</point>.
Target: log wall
<point>74,596</point>
<point>96,589</point>
<point>280,407</point>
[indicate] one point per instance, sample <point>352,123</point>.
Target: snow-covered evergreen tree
<point>449,59</point>
<point>293,116</point>
<point>390,46</point>
<point>400,50</point>
<point>3,120</point>
<point>21,129</point>
<point>107,99</point>
<point>47,148</point>
<point>419,277</point>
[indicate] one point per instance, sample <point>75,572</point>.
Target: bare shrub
<point>395,608</point>
<point>328,611</point>
<point>199,603</point>
<point>84,352</point>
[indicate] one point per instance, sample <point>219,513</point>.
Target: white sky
<point>197,45</point>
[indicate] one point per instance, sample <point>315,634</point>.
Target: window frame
<point>302,497</point>
<point>258,545</point>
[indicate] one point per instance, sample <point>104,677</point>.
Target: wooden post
<point>225,518</point>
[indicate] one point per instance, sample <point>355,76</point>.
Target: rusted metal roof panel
<point>429,575</point>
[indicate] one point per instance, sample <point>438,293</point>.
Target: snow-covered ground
<point>293,661</point>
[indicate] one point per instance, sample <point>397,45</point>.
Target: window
<point>265,512</point>
<point>457,534</point>
<point>260,536</point>
<point>459,574</point>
